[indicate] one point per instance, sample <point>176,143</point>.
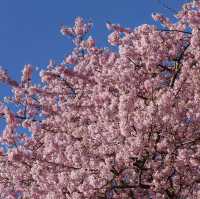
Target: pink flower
<point>10,118</point>
<point>114,38</point>
<point>66,31</point>
<point>71,59</point>
<point>27,72</point>
<point>90,42</point>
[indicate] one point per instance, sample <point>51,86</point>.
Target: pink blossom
<point>90,42</point>
<point>119,123</point>
<point>66,31</point>
<point>71,59</point>
<point>27,72</point>
<point>10,117</point>
<point>114,38</point>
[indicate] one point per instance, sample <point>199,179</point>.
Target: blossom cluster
<point>120,125</point>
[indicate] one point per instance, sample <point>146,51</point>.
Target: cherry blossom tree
<point>120,125</point>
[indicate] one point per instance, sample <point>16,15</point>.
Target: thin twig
<point>167,30</point>
<point>167,7</point>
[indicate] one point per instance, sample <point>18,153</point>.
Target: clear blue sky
<point>29,29</point>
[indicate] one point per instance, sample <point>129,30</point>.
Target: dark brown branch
<point>136,65</point>
<point>167,30</point>
<point>178,69</point>
<point>172,81</point>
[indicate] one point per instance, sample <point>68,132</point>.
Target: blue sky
<point>29,29</point>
